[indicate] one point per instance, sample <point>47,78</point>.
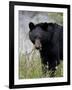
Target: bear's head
<point>40,34</point>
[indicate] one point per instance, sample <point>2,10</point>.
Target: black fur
<point>50,36</point>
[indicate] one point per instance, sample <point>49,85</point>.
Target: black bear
<point>48,39</point>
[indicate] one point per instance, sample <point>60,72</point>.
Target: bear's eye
<point>34,37</point>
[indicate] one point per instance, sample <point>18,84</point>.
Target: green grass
<point>32,68</point>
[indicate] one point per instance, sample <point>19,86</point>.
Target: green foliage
<point>56,17</point>
<point>33,68</point>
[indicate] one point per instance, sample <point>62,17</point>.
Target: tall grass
<point>30,67</point>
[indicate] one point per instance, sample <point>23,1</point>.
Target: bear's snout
<point>38,44</point>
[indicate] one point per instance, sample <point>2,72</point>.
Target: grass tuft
<point>32,68</point>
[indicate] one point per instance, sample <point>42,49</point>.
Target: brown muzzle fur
<point>38,44</point>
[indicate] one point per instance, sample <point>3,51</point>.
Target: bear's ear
<point>31,26</point>
<point>45,26</point>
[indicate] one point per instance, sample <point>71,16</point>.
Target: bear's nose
<point>37,47</point>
